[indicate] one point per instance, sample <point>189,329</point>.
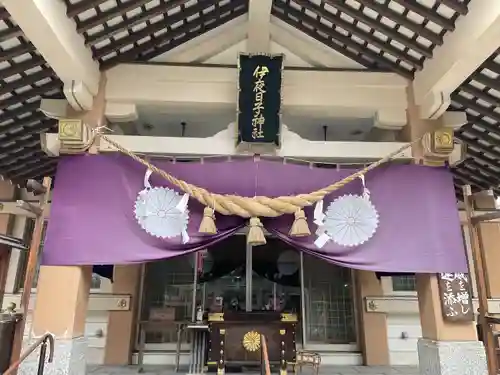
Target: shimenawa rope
<point>258,206</point>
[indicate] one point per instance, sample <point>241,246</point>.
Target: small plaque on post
<point>74,136</point>
<point>71,130</point>
<point>259,102</point>
<point>455,296</point>
<point>442,141</point>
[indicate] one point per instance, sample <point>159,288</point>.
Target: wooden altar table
<point>234,339</point>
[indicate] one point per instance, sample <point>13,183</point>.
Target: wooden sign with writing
<point>455,295</point>
<point>259,101</point>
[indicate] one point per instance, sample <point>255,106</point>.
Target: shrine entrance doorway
<point>274,276</point>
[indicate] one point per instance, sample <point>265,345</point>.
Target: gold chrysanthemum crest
<point>251,341</point>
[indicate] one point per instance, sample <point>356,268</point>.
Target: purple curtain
<point>92,220</point>
<point>419,228</point>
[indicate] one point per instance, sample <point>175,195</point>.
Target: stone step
<point>324,370</point>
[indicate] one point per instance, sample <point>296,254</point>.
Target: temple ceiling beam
<point>308,92</point>
<point>293,147</point>
<point>259,22</point>
<point>474,38</point>
<point>222,144</point>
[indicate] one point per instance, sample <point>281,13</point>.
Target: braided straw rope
<point>254,206</point>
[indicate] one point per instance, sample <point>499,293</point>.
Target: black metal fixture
<point>13,242</point>
<point>183,128</point>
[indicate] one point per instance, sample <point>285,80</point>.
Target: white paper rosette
<point>157,212</point>
<point>350,220</point>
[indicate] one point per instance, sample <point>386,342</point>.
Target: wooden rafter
<point>479,156</point>
<point>24,79</point>
<point>456,6</point>
<point>31,124</point>
<point>16,51</point>
<point>156,27</point>
<point>21,67</point>
<point>471,179</point>
<point>27,80</point>
<point>132,21</point>
<point>22,84</point>
<point>480,94</point>
<point>482,164</point>
<point>81,6</point>
<point>36,92</point>
<point>37,173</point>
<point>166,41</point>
<point>480,77</point>
<point>361,34</point>
<point>396,17</point>
<point>338,47</point>
<point>4,14</point>
<point>476,120</point>
<point>470,104</point>
<point>490,63</point>
<point>490,174</point>
<point>193,31</point>
<point>147,30</point>
<point>371,39</point>
<point>428,14</point>
<point>463,135</point>
<point>15,114</point>
<point>289,13</point>
<point>10,33</point>
<point>103,17</point>
<point>28,166</point>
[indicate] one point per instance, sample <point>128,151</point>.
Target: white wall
<point>403,351</point>
<point>404,329</point>
<point>97,316</point>
<point>96,321</point>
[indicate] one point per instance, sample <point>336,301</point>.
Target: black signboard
<point>259,99</point>
<point>455,296</point>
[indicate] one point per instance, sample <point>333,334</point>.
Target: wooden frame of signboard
<point>477,251</point>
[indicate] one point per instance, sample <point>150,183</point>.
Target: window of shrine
<point>406,283</point>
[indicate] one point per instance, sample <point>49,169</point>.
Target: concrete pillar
<point>61,309</point>
<point>121,324</point>
<point>373,326</point>
<point>445,348</point>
